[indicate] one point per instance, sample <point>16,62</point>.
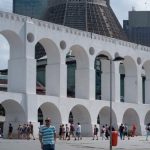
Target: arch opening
<point>104,118</point>
<point>77,62</point>
<point>13,114</point>
<point>81,115</point>
<point>147,118</point>
<point>49,110</point>
<point>102,76</point>
<point>131,118</point>
<point>146,82</point>
<point>48,67</point>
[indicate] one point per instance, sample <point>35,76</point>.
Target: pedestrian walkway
<point>136,143</point>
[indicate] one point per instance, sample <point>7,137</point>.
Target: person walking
<point>1,133</point>
<point>31,130</point>
<point>67,137</point>
<point>47,135</point>
<point>121,129</point>
<point>60,132</point>
<point>10,131</point>
<point>147,131</point>
<point>103,130</point>
<point>72,130</point>
<point>133,130</point>
<point>78,132</point>
<point>95,132</point>
<point>107,132</point>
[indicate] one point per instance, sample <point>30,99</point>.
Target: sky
<point>120,7</point>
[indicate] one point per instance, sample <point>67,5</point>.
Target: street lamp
<point>118,58</point>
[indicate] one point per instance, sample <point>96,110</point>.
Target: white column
<point>22,65</point>
<point>130,88</point>
<point>22,75</point>
<point>139,87</point>
<point>56,80</point>
<point>85,84</point>
<point>32,112</point>
<point>105,80</point>
<point>116,82</point>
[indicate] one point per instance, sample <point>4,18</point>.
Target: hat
<point>48,119</point>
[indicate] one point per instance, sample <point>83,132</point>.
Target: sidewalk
<point>136,143</point>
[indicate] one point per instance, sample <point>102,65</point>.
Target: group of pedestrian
<point>105,132</point>
<point>67,131</point>
<point>125,131</point>
<point>25,131</point>
<point>47,133</point>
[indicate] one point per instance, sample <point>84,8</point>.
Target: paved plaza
<point>136,143</point>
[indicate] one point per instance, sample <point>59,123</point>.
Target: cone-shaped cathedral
<point>89,15</point>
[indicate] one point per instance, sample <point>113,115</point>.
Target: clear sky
<point>120,7</point>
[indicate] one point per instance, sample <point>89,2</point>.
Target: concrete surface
<point>136,143</point>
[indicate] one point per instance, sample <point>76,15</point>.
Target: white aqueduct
<point>21,102</point>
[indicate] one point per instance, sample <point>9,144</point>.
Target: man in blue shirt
<point>47,135</point>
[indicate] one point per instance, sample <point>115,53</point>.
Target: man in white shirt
<point>78,132</point>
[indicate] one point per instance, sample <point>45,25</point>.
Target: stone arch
<point>80,71</point>
<point>131,118</point>
<point>82,115</point>
<point>5,50</point>
<point>17,61</point>
<point>51,49</point>
<point>130,80</point>
<point>51,67</point>
<point>81,56</point>
<point>102,71</point>
<point>14,114</point>
<point>146,81</point>
<point>16,50</point>
<point>104,117</point>
<point>15,43</point>
<point>147,118</point>
<point>51,110</point>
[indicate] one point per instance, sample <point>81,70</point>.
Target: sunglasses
<point>47,120</point>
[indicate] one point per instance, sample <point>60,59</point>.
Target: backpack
<point>102,131</point>
<point>72,128</point>
<point>96,129</point>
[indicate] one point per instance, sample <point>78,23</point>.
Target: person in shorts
<point>78,132</point>
<point>95,132</point>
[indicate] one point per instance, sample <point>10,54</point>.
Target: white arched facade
<point>23,33</point>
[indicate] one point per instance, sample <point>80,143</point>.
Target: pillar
<point>105,80</point>
<point>32,112</point>
<point>139,87</point>
<point>85,83</point>
<point>116,82</point>
<point>130,88</point>
<point>22,65</point>
<point>56,80</point>
<point>22,75</point>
